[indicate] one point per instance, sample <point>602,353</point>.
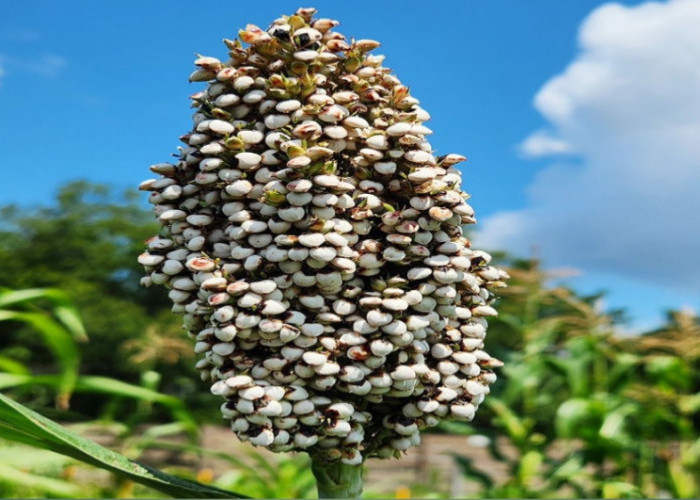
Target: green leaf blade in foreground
<point>105,385</point>
<point>22,424</point>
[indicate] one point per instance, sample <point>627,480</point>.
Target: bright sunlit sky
<point>581,119</point>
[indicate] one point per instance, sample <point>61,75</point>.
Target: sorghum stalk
<point>337,479</point>
<point>313,243</point>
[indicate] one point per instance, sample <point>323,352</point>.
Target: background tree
<point>85,243</point>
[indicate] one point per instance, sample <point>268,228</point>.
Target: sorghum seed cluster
<point>313,243</point>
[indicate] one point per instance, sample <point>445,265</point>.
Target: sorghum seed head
<point>312,241</point>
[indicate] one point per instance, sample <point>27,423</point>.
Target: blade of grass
<point>68,315</point>
<point>17,420</point>
<point>62,306</point>
<point>9,365</point>
<point>107,386</point>
<point>61,344</point>
<point>510,420</point>
<point>53,487</point>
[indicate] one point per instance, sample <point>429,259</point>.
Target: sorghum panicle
<point>313,243</point>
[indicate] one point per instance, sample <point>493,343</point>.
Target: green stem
<point>336,479</point>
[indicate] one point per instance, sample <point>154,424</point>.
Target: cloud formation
<point>45,65</point>
<point>622,194</point>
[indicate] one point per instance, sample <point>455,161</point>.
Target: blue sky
<point>98,90</point>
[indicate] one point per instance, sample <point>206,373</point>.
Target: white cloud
<point>542,143</point>
<point>628,106</point>
<point>45,65</point>
<point>48,65</point>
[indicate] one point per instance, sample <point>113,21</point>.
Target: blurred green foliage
<point>59,326</point>
<point>84,245</point>
<point>579,410</point>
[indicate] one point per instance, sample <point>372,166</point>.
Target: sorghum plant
<point>313,243</point>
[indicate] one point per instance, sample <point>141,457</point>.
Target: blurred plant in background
<point>50,316</point>
<point>579,411</point>
<point>84,244</point>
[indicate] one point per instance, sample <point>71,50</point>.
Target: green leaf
<point>614,422</point>
<point>108,386</point>
<point>689,404</point>
<point>682,480</point>
<point>671,370</point>
<point>577,370</point>
<point>52,487</point>
<point>569,469</point>
<point>570,415</point>
<point>11,366</point>
<point>514,426</point>
<point>456,428</point>
<point>468,469</point>
<point>529,465</point>
<point>620,489</point>
<point>70,318</point>
<point>8,380</point>
<point>10,297</point>
<point>623,367</point>
<point>60,342</point>
<point>32,459</point>
<point>62,306</point>
<point>287,477</point>
<point>18,423</point>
